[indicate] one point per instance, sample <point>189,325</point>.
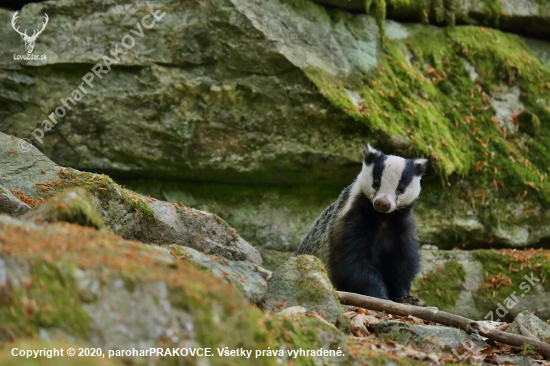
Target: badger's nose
<point>382,205</point>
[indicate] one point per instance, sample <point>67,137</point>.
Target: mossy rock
<point>427,336</point>
<point>442,285</point>
<point>273,259</point>
<point>303,281</point>
<point>74,205</point>
<point>526,322</point>
<point>485,284</point>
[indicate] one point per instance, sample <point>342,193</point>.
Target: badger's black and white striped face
<point>389,181</point>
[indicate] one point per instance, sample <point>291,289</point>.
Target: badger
<point>366,239</point>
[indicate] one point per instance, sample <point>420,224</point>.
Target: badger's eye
<point>376,185</point>
<point>400,190</point>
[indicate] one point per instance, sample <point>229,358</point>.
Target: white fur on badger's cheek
<point>365,181</point>
<point>393,168</point>
<point>361,185</point>
<point>411,193</point>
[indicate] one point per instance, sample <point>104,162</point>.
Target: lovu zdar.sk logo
<point>29,40</point>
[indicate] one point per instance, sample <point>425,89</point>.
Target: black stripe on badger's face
<point>390,181</point>
<point>377,171</point>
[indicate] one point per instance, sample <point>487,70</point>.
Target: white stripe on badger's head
<point>390,181</point>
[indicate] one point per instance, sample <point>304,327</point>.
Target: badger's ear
<point>370,154</point>
<point>420,166</point>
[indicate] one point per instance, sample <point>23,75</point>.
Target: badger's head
<point>389,181</point>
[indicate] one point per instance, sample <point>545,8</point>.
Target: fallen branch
<point>441,317</point>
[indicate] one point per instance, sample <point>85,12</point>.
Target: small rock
<point>429,336</point>
<point>516,360</point>
<point>529,325</point>
<point>74,205</point>
<point>293,310</point>
<point>10,204</point>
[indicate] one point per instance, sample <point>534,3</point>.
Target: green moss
<point>378,9</point>
<point>104,188</point>
<point>493,11</point>
<point>442,286</point>
<point>505,271</point>
<point>74,205</point>
<point>49,299</point>
<point>422,92</point>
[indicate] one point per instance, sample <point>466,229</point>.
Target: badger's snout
<point>382,205</point>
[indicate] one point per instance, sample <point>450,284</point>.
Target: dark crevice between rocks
<point>123,176</point>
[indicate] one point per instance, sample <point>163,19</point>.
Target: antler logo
<point>29,41</point>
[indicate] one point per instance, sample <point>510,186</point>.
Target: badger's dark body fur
<point>366,251</point>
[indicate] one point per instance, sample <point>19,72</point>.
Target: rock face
<point>230,94</point>
<point>302,281</point>
<point>195,96</point>
<point>485,284</point>
<point>125,213</point>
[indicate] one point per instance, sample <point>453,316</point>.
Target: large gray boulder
<point>130,215</point>
<point>197,71</point>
